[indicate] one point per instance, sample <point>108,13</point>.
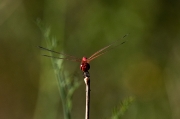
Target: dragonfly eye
<point>84,59</point>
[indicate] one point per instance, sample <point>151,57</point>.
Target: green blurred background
<point>146,67</point>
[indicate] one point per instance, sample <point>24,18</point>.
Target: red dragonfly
<point>85,66</point>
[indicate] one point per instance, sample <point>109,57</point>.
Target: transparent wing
<point>67,57</point>
<point>106,49</point>
<point>71,59</point>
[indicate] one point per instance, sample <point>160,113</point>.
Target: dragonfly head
<point>84,59</point>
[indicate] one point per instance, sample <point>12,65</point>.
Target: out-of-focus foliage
<point>120,110</point>
<point>66,86</point>
<point>146,67</point>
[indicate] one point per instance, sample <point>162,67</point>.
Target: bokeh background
<point>147,67</point>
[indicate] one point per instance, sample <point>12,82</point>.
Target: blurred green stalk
<point>65,85</point>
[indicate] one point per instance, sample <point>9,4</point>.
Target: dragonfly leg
<point>86,74</point>
<point>86,77</point>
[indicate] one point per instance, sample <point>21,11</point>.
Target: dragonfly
<point>85,66</point>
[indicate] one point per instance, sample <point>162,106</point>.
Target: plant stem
<point>87,82</point>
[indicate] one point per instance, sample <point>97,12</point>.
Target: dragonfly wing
<point>76,60</point>
<point>106,49</point>
<point>43,48</point>
<point>68,57</point>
